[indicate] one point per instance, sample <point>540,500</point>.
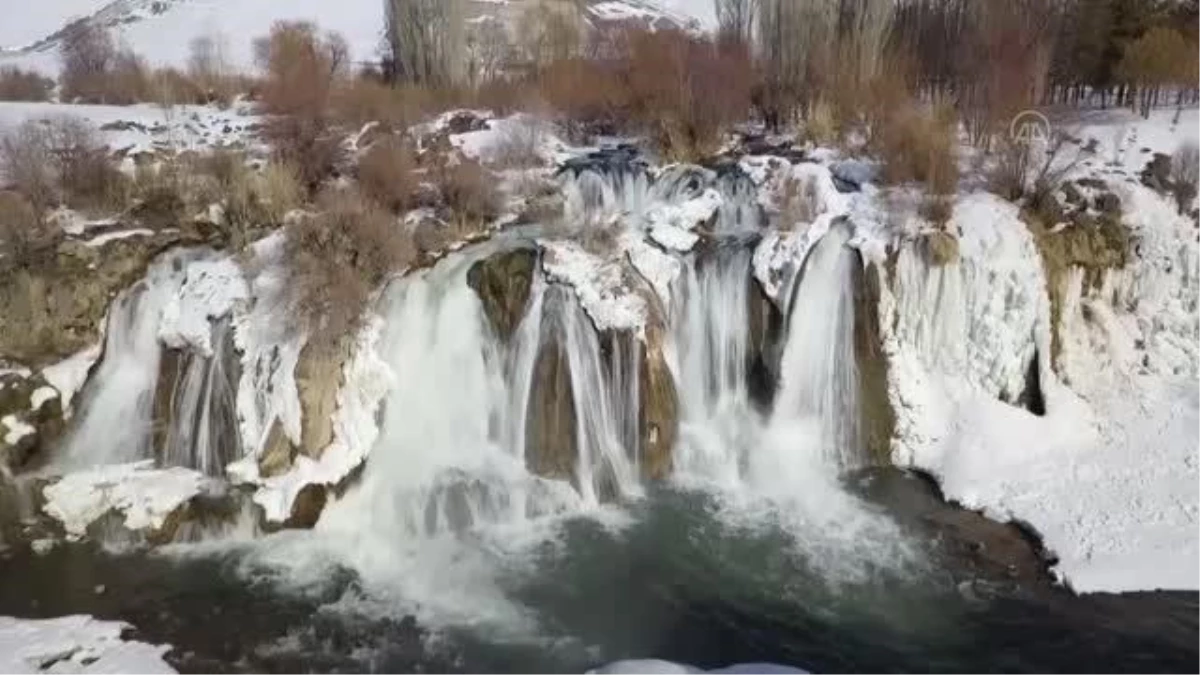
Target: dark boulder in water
<point>503,282</point>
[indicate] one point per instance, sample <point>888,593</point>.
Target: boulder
<point>551,449</point>
<point>503,282</point>
<point>31,418</point>
<point>658,414</point>
<point>877,419</point>
<point>940,248</point>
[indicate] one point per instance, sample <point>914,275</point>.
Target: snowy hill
<point>160,30</point>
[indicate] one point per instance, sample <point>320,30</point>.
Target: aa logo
<point>1030,127</point>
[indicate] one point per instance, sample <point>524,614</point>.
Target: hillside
<point>161,30</point>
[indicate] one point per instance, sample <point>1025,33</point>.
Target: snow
<point>658,666</point>
<point>69,375</point>
<point>145,127</point>
<point>40,19</point>
<point>39,397</point>
<point>102,239</point>
<point>144,495</point>
<point>1108,476</point>
<point>15,429</point>
<point>656,267</point>
<point>270,345</point>
<point>75,644</point>
<point>210,290</point>
<point>598,282</point>
<point>367,380</point>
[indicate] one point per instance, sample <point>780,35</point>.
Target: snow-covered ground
<point>143,495</point>
<point>75,644</point>
<point>146,127</point>
<point>1109,475</point>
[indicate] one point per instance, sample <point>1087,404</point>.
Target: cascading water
<point>113,425</point>
<point>605,402</point>
<point>818,371</point>
<point>709,329</point>
<point>203,432</point>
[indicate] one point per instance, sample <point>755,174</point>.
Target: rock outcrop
<point>31,418</point>
<point>658,412</point>
<point>551,446</point>
<point>503,282</point>
<point>877,419</point>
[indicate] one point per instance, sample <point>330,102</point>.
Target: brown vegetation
<point>301,68</point>
<point>385,175</point>
<point>27,238</point>
<point>23,85</point>
<point>338,257</point>
<point>60,161</point>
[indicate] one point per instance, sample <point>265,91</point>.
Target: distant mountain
<point>161,30</point>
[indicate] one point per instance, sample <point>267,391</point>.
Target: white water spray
<point>818,372</point>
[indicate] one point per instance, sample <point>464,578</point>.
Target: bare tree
<point>426,41</point>
<point>735,19</point>
<point>797,40</point>
<point>487,49</point>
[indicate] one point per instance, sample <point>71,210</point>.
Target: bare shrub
<point>362,100</point>
<point>520,144</point>
<point>1185,174</point>
<point>919,145</point>
<point>87,54</point>
<point>302,68</point>
<point>469,192</point>
<point>587,92</point>
<point>251,200</point>
<point>61,161</point>
<point>385,174</point>
<point>1030,172</point>
<point>279,191</point>
<point>159,195</point>
<point>337,258</point>
<point>686,91</point>
<point>28,239</point>
<point>24,85</point>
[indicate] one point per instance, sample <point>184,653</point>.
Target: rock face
<point>658,412</point>
<point>53,311</point>
<point>878,420</point>
<point>503,282</point>
<point>551,447</point>
<point>318,379</point>
<point>31,418</point>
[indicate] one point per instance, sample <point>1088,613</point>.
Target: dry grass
<point>338,258</point>
<point>469,192</point>
<point>364,99</point>
<point>24,85</point>
<point>385,174</point>
<point>919,145</point>
<point>520,144</point>
<point>28,239</point>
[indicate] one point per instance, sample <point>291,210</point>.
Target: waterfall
<point>202,432</point>
<point>113,425</point>
<point>818,371</point>
<point>710,335</point>
<point>605,400</point>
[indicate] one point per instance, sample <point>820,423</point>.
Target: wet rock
<point>307,508</point>
<point>465,121</point>
<point>54,310</point>
<point>277,453</point>
<point>940,248</point>
<point>503,282</point>
<point>877,419</point>
<point>31,419</point>
<point>658,414</point>
<point>318,380</point>
<point>551,450</point>
<point>972,547</point>
<point>851,174</point>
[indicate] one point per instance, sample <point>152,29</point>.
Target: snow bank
<point>1108,476</point>
<point>270,345</point>
<point>75,644</point>
<point>599,283</point>
<point>367,380</point>
<point>144,495</point>
<point>69,375</point>
<point>210,290</point>
<point>14,429</point>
